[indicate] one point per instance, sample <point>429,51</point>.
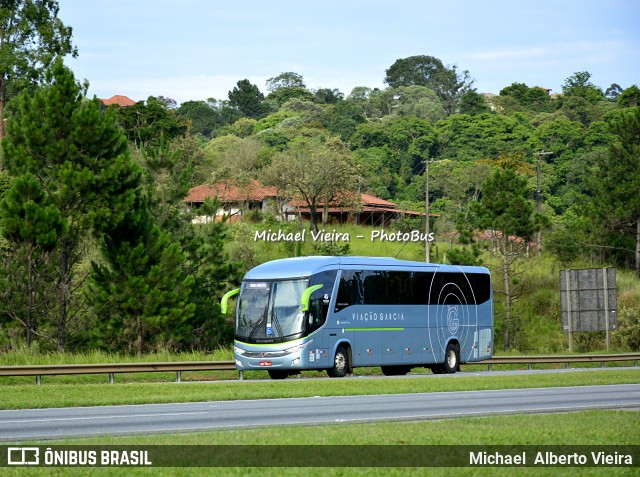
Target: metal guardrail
<point>566,359</point>
<point>178,367</point>
<point>111,369</point>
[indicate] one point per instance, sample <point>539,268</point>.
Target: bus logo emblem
<point>453,322</point>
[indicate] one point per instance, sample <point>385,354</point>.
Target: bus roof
<point>307,266</point>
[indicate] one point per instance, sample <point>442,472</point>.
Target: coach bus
<point>337,313</point>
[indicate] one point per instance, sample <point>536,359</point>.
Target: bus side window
<point>350,290</point>
<point>319,302</point>
<point>375,288</point>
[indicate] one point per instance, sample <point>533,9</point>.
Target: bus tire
<point>340,364</point>
<point>278,374</point>
<point>395,370</point>
<point>451,359</point>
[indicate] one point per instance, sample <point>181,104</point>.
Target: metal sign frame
<point>588,301</point>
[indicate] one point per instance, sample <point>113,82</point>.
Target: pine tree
<point>81,158</point>
<point>214,275</point>
<point>32,225</point>
<point>505,208</point>
<point>141,291</point>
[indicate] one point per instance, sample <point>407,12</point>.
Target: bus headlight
<point>299,347</point>
<point>238,351</point>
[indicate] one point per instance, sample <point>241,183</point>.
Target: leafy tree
<point>341,119</point>
<point>247,99</point>
<point>282,96</point>
<point>464,137</point>
<point>287,79</point>
<point>204,118</point>
<point>617,182</point>
<point>448,83</point>
<point>413,141</point>
<point>565,240</point>
<point>318,173</point>
<point>564,140</point>
<point>452,86</point>
<point>328,96</point>
<point>505,208</point>
<point>378,178</point>
<point>579,85</point>
<point>31,36</point>
<point>364,99</point>
<point>192,152</point>
<point>517,91</point>
<point>613,92</point>
<point>32,225</point>
<point>577,108</point>
<point>473,103</point>
<point>457,184</point>
<point>417,101</point>
<point>630,97</point>
<point>147,124</point>
<point>80,155</point>
<point>169,103</point>
<point>237,159</point>
<point>536,98</point>
<point>243,127</point>
<point>418,70</point>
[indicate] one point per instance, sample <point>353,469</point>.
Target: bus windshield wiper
<point>274,320</point>
<point>258,323</point>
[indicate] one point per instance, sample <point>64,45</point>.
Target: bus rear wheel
<point>451,359</point>
<point>340,364</point>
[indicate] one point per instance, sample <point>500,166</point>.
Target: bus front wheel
<point>340,364</point>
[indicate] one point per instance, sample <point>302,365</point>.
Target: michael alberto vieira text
<point>549,458</point>
<point>334,236</point>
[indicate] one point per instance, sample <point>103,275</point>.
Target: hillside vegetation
<point>99,251</point>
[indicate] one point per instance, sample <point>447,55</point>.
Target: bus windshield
<point>269,312</point>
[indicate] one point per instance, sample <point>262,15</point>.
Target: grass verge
<point>65,395</point>
<point>581,428</point>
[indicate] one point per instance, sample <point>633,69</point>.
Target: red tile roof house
<point>369,210</point>
<point>118,100</point>
<point>235,200</point>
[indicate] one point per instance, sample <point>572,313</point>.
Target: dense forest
<point>98,249</point>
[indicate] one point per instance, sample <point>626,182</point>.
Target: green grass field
<point>588,428</point>
<point>19,396</point>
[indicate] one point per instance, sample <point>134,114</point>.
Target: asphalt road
<point>30,424</point>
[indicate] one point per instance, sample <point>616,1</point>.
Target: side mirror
<point>225,299</point>
<point>304,300</point>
